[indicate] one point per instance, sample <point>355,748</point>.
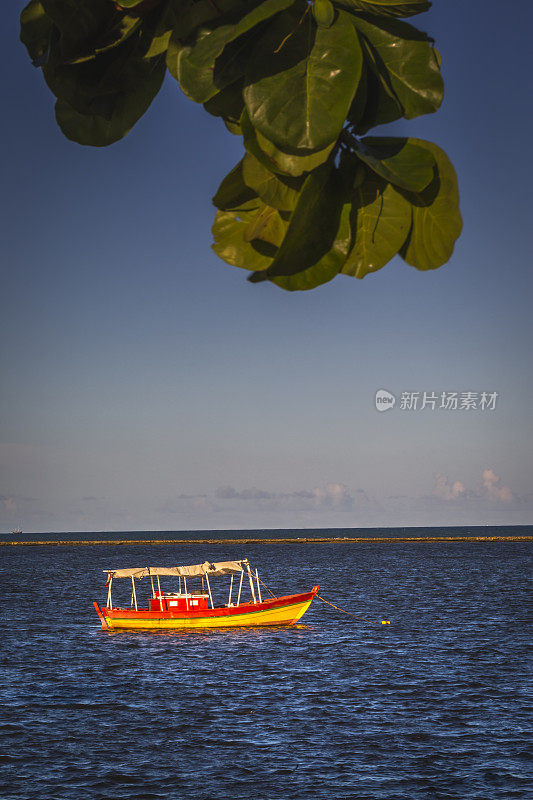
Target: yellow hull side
<point>275,616</point>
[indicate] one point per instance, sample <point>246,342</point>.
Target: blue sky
<point>147,385</point>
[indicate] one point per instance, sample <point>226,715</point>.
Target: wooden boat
<point>192,606</point>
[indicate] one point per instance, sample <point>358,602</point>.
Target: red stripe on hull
<point>243,608</point>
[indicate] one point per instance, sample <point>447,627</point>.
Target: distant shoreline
<point>257,540</point>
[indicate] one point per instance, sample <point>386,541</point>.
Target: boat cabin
<point>178,601</point>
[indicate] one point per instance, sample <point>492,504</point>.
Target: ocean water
<point>435,705</point>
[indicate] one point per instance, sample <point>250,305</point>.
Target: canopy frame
<point>204,571</point>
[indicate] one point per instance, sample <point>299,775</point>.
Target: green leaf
<point>327,267</point>
<point>97,86</point>
<point>394,8</point>
<point>36,31</point>
<point>230,66</point>
<point>227,103</point>
<point>276,159</point>
<point>437,222</point>
<point>324,13</point>
<point>301,80</point>
<point>117,33</point>
<point>127,107</point>
<point>80,24</point>
<point>230,229</point>
<point>166,19</point>
<point>278,191</point>
<point>359,103</point>
<point>129,3</point>
<point>405,63</point>
<point>195,14</point>
<point>266,225</point>
<point>193,66</point>
<point>313,224</point>
<point>372,105</point>
<point>233,193</point>
<point>233,127</point>
<point>89,87</point>
<point>380,220</point>
<point>397,160</point>
<point>143,7</point>
<point>159,43</point>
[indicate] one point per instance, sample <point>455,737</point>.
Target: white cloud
<point>493,487</point>
<point>490,489</point>
<point>335,495</point>
<point>446,490</point>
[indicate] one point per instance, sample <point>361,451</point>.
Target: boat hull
<point>279,611</point>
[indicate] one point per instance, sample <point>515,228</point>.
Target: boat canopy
<point>192,571</point>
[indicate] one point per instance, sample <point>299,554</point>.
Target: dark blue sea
<point>435,705</point>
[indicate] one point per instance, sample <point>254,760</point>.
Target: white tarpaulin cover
<point>193,571</point>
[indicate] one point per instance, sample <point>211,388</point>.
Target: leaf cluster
<point>302,82</point>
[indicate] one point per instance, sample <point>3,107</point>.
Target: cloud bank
<point>491,488</point>
<point>450,501</point>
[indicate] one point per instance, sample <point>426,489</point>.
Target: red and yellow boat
<point>192,606</point>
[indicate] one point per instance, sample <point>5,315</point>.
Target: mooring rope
<point>350,613</point>
<point>371,621</point>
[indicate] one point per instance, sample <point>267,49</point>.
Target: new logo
<point>384,400</point>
